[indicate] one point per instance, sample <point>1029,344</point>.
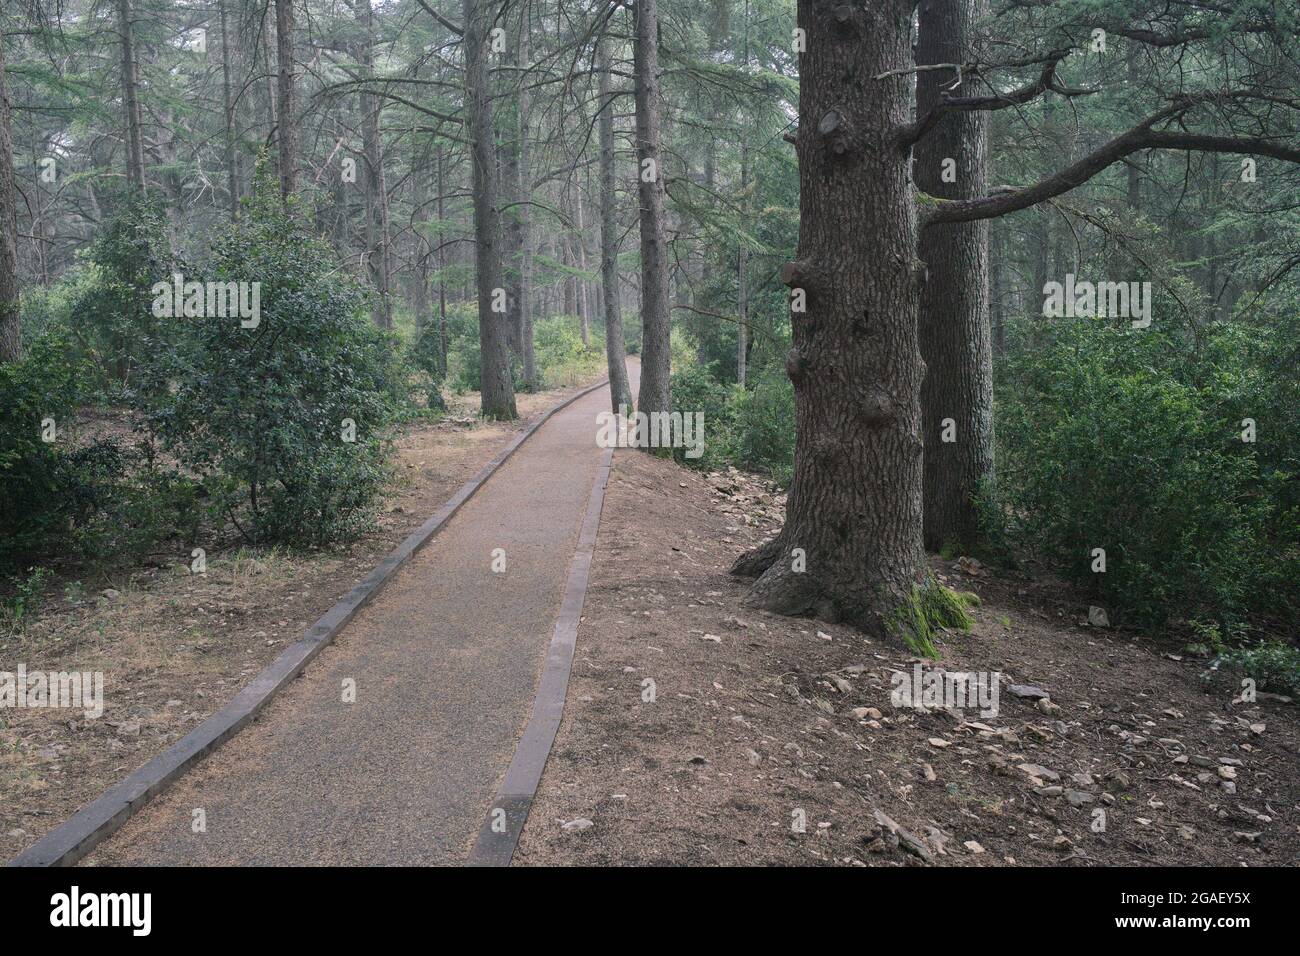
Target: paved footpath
<point>445,659</point>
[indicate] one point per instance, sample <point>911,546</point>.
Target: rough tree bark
<point>496,386</point>
<point>378,254</point>
<point>655,359</point>
<point>620,393</point>
<point>228,112</point>
<point>131,99</point>
<point>957,394</point>
<point>285,130</point>
<point>853,516</point>
<point>11,342</point>
<point>519,180</point>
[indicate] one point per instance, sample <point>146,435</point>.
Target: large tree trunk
<point>496,385</point>
<point>655,358</point>
<point>957,395</point>
<point>131,100</point>
<point>620,393</point>
<point>11,342</point>
<point>854,508</point>
<point>286,132</point>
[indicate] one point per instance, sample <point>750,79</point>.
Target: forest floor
<point>760,723</point>
<point>174,646</point>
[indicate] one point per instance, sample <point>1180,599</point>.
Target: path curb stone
<point>499,834</point>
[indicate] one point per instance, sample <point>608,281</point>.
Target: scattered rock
<point>973,846</point>
<point>575,826</point>
<point>1039,771</point>
<point>909,841</point>
<point>1027,692</point>
<point>1078,798</point>
<point>1097,617</point>
<point>712,637</point>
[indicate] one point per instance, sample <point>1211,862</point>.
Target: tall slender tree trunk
<point>579,244</point>
<point>11,340</point>
<point>442,265</point>
<point>742,256</point>
<point>742,281</point>
<point>512,187</point>
<point>523,189</point>
<point>620,392</point>
<point>655,356</point>
<point>997,292</point>
<point>497,387</point>
<point>228,110</point>
<point>286,128</point>
<point>850,548</point>
<point>957,395</point>
<point>131,99</point>
<point>419,198</point>
<point>378,254</point>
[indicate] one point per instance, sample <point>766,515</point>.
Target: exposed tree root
<point>785,591</point>
<point>753,563</point>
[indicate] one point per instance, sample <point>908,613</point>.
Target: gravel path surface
<point>445,662</point>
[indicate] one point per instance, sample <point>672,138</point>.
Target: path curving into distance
<point>446,661</point>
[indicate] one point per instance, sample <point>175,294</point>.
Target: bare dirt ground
<point>761,723</point>
<point>174,646</point>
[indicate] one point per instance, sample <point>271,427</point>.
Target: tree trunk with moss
<point>851,545</point>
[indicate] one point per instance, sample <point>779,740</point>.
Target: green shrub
<point>762,439</point>
<point>1131,442</point>
<point>46,383</point>
<point>426,355</point>
<point>261,416</point>
<point>694,389</point>
<point>562,360</point>
<point>1273,665</point>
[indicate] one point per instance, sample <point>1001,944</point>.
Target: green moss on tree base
<point>931,607</point>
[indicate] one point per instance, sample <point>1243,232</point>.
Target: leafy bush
<point>110,318</point>
<point>282,423</point>
<point>45,384</point>
<point>763,435</point>
<point>1132,442</point>
<point>1275,666</point>
<point>751,429</point>
<point>426,355</point>
<point>562,359</point>
<point>694,389</point>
